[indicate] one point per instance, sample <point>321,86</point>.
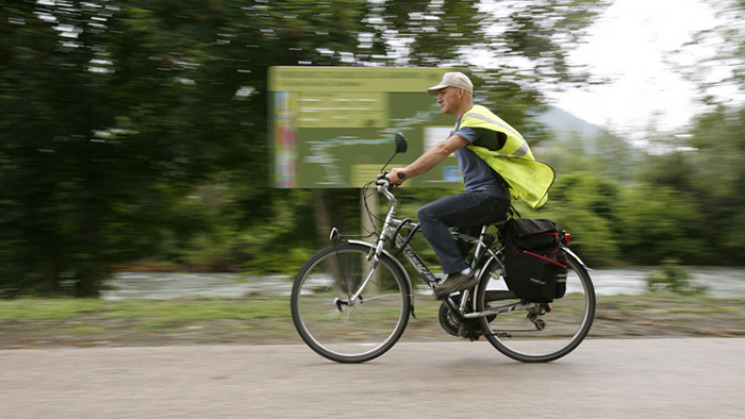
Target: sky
<point>629,44</point>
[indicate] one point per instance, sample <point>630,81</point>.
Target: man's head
<point>454,94</point>
<point>453,79</point>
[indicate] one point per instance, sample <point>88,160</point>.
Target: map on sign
<point>333,127</point>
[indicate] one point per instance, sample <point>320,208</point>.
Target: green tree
<point>719,177</point>
<point>585,205</point>
<point>706,163</point>
<point>656,222</point>
<point>113,112</point>
<point>704,169</point>
<point>718,68</point>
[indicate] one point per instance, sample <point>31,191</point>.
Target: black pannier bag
<point>535,263</point>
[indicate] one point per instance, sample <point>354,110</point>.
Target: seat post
<point>481,246</point>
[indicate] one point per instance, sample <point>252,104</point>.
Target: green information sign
<point>333,127</point>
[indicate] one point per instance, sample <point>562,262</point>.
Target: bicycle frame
<point>390,232</point>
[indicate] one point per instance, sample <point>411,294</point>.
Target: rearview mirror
<point>401,145</point>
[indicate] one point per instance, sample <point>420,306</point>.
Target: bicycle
<point>351,301</point>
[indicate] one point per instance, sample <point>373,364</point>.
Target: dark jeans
<point>466,212</point>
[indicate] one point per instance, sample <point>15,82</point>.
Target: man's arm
<point>428,160</point>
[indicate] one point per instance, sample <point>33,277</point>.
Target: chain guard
<point>448,321</point>
<point>468,329</point>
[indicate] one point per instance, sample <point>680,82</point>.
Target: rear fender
<point>574,255</point>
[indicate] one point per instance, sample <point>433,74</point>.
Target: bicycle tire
<point>564,327</point>
<point>350,333</point>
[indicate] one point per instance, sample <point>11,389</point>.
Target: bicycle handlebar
<point>384,187</point>
<point>382,179</point>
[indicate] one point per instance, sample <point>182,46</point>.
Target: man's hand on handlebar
<point>397,176</point>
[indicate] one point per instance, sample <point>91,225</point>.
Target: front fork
<point>373,257</point>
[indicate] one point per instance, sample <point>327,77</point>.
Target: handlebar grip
<point>401,176</point>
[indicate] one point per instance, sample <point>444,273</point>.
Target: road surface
<point>645,378</point>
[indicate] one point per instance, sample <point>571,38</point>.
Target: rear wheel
<point>346,331</point>
<point>532,332</point>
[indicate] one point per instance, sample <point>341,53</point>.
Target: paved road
<point>652,378</point>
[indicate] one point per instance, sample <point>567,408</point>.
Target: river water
<point>721,282</point>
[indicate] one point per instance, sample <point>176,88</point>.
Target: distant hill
<point>569,128</point>
<point>576,144</point>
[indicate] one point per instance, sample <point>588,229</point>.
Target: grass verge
<point>43,323</point>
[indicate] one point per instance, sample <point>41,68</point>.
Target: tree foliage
<point>719,65</point>
<point>135,130</point>
<point>705,166</point>
<point>113,115</point>
<point>706,172</point>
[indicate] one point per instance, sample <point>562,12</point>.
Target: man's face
<point>449,99</point>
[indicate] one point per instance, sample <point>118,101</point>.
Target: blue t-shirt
<point>477,175</point>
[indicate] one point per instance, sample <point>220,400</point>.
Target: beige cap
<point>454,79</point>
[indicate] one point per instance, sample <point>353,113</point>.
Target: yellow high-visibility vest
<point>528,178</point>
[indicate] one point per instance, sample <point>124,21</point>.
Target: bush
<point>673,277</point>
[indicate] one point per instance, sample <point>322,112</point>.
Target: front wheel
<point>533,332</point>
<point>344,330</point>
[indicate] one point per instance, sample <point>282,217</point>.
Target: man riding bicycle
<point>497,166</point>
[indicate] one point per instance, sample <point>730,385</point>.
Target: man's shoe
<point>455,282</point>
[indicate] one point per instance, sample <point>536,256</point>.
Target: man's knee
<point>425,214</point>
